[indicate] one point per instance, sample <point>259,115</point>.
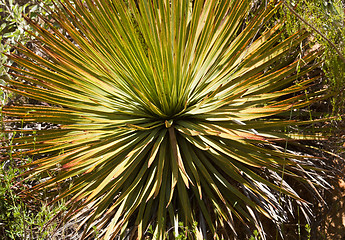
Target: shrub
<point>167,112</point>
<point>327,17</point>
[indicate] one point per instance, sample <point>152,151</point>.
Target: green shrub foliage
<point>166,112</point>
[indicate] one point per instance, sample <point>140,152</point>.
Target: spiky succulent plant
<point>166,111</point>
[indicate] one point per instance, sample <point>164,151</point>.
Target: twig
<point>316,30</point>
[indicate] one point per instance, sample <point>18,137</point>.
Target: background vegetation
<point>19,218</point>
<point>326,16</point>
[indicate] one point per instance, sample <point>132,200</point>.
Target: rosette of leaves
<point>167,112</point>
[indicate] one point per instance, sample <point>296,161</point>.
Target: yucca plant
<point>166,112</point>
